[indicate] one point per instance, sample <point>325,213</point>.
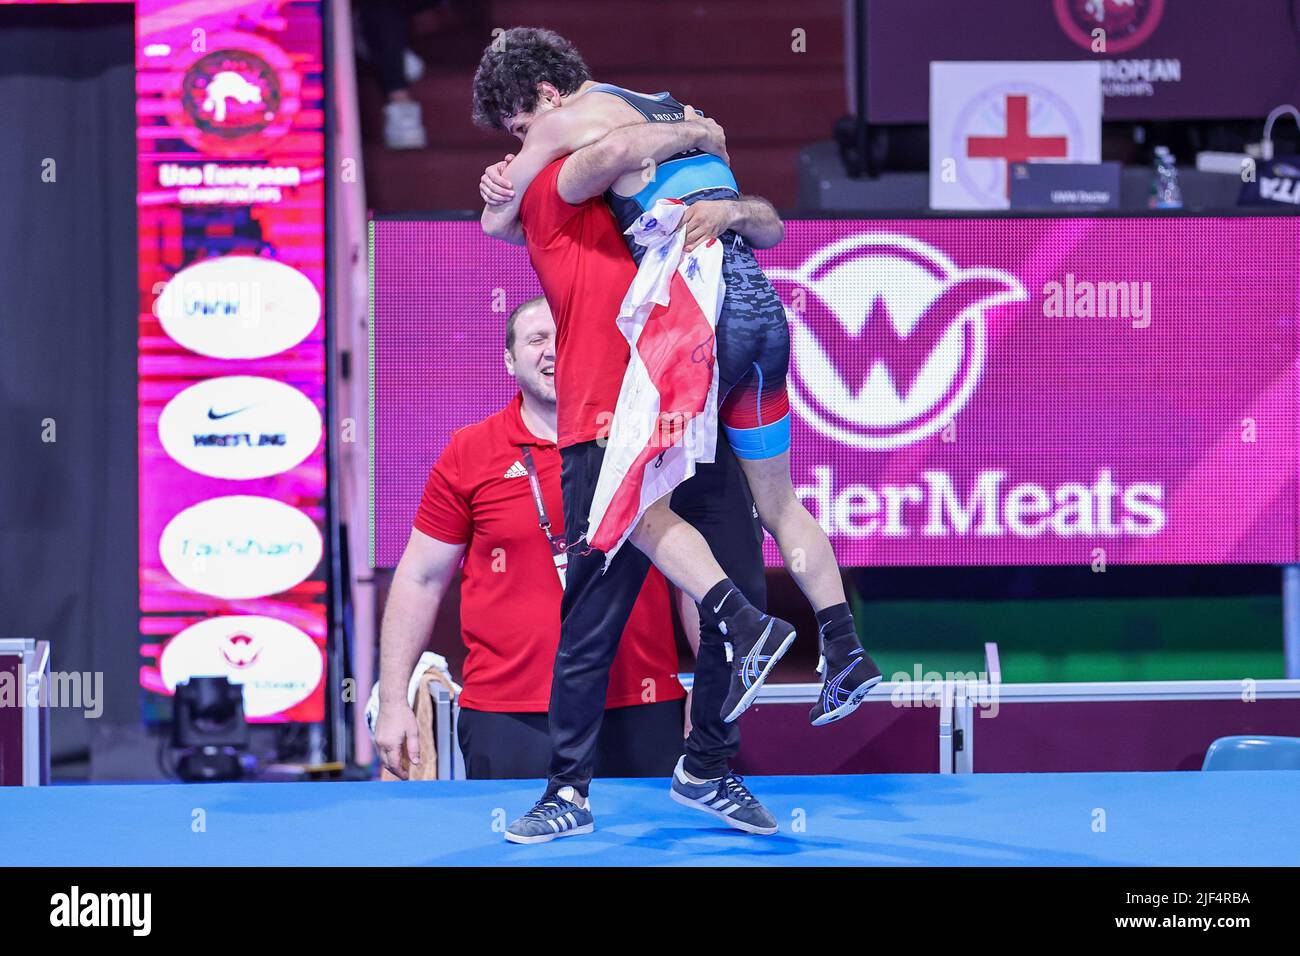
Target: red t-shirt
<point>478,495</point>
<point>585,270</point>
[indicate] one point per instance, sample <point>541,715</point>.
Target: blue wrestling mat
<point>1171,819</point>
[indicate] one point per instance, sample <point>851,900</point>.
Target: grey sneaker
<point>404,126</point>
<point>557,815</point>
<point>726,798</point>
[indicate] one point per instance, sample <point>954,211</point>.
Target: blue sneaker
<point>557,815</point>
<point>726,798</point>
<point>847,679</point>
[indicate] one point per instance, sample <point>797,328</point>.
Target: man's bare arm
<point>756,219</point>
<point>511,232</point>
<point>593,169</point>
<point>419,585</point>
<point>751,216</point>
<point>556,134</point>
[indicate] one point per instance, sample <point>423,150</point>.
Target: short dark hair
<point>514,317</point>
<point>505,82</point>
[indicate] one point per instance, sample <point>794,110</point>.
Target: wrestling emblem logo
<point>1127,23</point>
<point>231,93</point>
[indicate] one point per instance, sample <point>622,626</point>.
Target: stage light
<point>209,732</point>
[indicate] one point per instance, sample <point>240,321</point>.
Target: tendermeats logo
<point>887,337</point>
<point>278,665</point>
<point>1127,23</point>
<point>240,651</point>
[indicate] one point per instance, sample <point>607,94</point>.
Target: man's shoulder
<point>582,119</point>
<point>480,435</point>
<point>470,453</point>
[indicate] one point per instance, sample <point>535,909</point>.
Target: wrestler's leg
<point>805,549</point>
<point>756,416</point>
<point>677,550</point>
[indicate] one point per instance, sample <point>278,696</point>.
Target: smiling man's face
<point>531,360</point>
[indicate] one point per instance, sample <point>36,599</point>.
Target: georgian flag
<point>667,415</point>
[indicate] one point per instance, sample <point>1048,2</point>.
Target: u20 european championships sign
<point>1159,59</point>
<point>965,391</point>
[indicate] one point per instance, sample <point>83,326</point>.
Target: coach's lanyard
<point>558,554</point>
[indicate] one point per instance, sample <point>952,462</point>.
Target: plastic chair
<point>1253,753</point>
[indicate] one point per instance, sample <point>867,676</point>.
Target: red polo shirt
<point>478,495</point>
<point>585,270</point>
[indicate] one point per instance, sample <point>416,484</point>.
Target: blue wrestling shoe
<point>848,674</point>
<point>755,642</point>
<point>555,815</point>
<point>726,798</point>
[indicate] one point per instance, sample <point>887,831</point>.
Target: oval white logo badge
<point>277,664</point>
<point>238,307</point>
<point>240,427</point>
<point>240,546</point>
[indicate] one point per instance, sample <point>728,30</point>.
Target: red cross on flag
<point>986,116</point>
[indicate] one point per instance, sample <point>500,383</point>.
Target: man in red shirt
<point>478,505</point>
<point>579,256</point>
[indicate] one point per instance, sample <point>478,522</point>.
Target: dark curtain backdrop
<point>67,354</point>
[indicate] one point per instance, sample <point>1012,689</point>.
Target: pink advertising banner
<point>232,447</point>
<point>982,391</point>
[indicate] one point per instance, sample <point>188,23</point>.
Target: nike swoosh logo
<point>215,416</point>
<point>724,600</point>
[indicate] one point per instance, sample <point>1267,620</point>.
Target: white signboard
<point>985,116</point>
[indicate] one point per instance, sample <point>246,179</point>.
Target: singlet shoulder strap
<point>640,102</point>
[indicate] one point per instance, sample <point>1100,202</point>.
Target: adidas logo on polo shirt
<point>515,471</point>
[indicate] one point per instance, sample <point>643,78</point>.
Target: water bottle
<point>1165,192</point>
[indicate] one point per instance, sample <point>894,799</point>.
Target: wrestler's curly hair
<point>505,82</point>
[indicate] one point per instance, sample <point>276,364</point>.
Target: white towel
<point>427,659</point>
